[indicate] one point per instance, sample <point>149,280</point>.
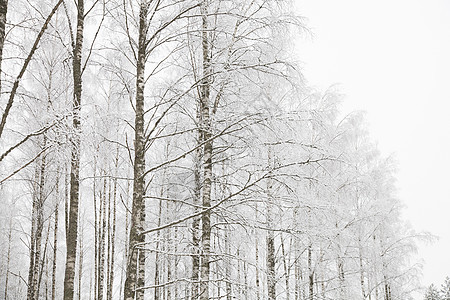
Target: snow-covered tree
<point>432,293</point>
<point>445,289</point>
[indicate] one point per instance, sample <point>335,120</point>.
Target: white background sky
<point>392,59</point>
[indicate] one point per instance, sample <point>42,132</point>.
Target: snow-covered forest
<point>172,149</point>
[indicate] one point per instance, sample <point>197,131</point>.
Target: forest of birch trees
<point>172,149</point>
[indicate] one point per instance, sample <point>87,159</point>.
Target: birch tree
<point>136,258</point>
<point>72,233</point>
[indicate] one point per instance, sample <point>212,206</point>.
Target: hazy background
<point>392,59</point>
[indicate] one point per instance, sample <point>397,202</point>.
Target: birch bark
<point>3,11</point>
<point>72,232</point>
<point>207,155</point>
<point>135,274</point>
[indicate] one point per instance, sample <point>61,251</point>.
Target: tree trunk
<point>32,256</point>
<point>270,239</point>
<point>157,246</point>
<point>228,278</point>
<point>361,272</point>
<point>238,267</point>
<point>108,235</point>
<point>297,262</point>
<point>258,296</point>
<point>196,220</point>
<point>271,293</point>
<point>39,224</point>
<point>175,263</point>
<point>341,276</point>
<point>387,289</point>
<point>42,264</point>
<point>207,156</point>
<point>310,273</point>
<point>34,213</point>
<point>3,11</point>
<point>246,288</point>
<point>321,278</point>
<point>217,271</point>
<point>66,200</point>
<point>113,237</point>
<point>286,266</point>
<point>101,271</point>
<point>8,258</point>
<point>96,225</point>
<point>168,249</point>
<point>80,266</point>
<point>136,259</point>
<point>127,226</point>
<point>72,234</point>
<point>46,271</point>
<point>36,228</point>
<point>55,237</point>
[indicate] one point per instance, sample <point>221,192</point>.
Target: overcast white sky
<point>392,59</point>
